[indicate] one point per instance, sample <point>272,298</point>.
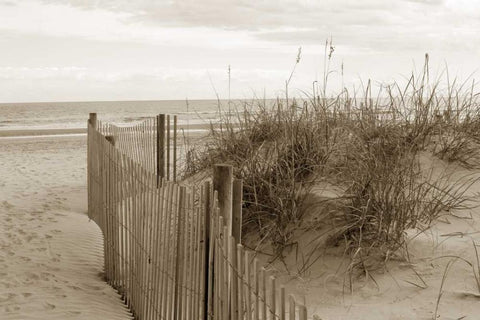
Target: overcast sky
<point>73,50</point>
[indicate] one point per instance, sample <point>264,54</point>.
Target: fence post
<point>222,183</point>
<point>237,210</point>
<point>92,119</point>
<point>160,148</point>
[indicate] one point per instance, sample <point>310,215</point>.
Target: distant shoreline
<point>76,131</point>
<point>40,132</point>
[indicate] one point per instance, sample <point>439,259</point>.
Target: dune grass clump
<point>369,149</point>
<point>277,151</point>
<point>388,192</point>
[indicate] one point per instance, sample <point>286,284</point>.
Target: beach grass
<point>369,148</point>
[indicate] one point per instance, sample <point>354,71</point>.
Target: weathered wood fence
<point>151,143</point>
<point>173,251</point>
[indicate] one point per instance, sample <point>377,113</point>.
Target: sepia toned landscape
<point>247,161</point>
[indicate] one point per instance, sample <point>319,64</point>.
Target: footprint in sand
<point>32,276</point>
<point>7,204</point>
<point>49,306</point>
<point>5,284</point>
<point>46,276</point>
<point>12,308</point>
<point>25,259</point>
<point>54,269</point>
<point>7,297</point>
<point>74,287</point>
<point>93,287</point>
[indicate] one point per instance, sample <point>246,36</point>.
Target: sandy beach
<point>51,255</point>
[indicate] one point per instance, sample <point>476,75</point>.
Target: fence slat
<point>248,283</point>
<point>240,263</point>
<point>273,300</point>
<point>255,290</point>
<point>282,303</point>
<point>264,294</point>
<point>302,312</point>
<point>233,278</point>
<point>291,307</point>
<point>167,146</point>
<point>181,227</point>
<point>175,148</point>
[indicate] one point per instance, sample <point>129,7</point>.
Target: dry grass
<point>369,148</point>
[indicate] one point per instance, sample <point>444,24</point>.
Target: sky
<point>90,50</point>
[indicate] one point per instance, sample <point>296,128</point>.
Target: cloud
<point>98,23</point>
<point>39,73</point>
<point>370,25</point>
<point>6,3</point>
<point>428,2</point>
<point>255,15</point>
<point>163,47</point>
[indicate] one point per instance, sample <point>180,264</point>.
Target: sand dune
<point>408,287</point>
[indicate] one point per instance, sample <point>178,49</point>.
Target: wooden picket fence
<point>151,143</point>
<point>171,250</point>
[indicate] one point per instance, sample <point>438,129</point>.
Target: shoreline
<point>77,131</point>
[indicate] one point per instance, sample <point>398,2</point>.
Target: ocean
<point>74,115</point>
